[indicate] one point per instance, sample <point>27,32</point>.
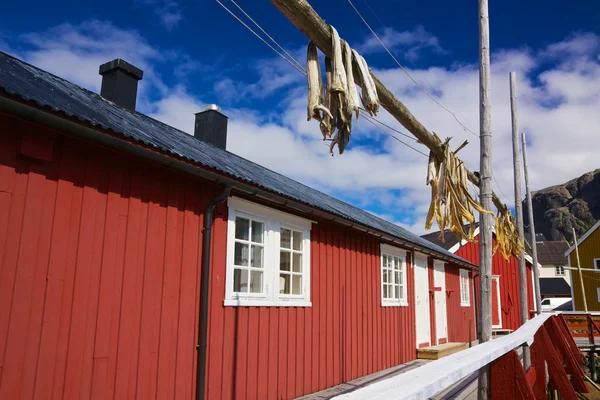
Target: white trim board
<point>581,239</point>
<point>431,378</point>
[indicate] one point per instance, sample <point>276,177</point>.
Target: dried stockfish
<point>315,109</point>
<point>352,101</point>
<point>369,91</point>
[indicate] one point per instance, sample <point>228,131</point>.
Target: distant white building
<point>551,255</point>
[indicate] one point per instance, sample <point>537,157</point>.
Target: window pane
<point>240,281</point>
<point>286,238</point>
<point>258,230</point>
<point>284,284</point>
<point>386,261</point>
<point>240,256</point>
<point>242,228</point>
<point>396,263</point>
<point>297,240</point>
<point>385,291</point>
<point>397,291</point>
<point>297,265</point>
<point>257,257</point>
<point>401,292</point>
<point>297,284</point>
<point>256,282</point>
<point>397,276</point>
<point>284,260</point>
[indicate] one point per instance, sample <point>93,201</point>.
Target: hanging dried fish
<point>369,91</point>
<point>315,85</point>
<point>328,122</point>
<point>450,193</point>
<point>507,237</point>
<point>338,84</point>
<point>352,101</point>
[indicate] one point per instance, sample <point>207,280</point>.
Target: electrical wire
<point>262,39</point>
<point>269,36</point>
<point>408,73</point>
<point>364,112</point>
<point>500,189</point>
<point>368,118</point>
<point>294,63</point>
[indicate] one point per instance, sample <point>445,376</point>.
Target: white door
<point>441,317</point>
<point>422,300</point>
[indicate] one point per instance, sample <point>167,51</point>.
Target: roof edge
<point>29,110</point>
<point>581,239</point>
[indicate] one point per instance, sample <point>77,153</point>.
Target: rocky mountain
<point>558,209</point>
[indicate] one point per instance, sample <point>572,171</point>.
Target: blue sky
<point>194,53</point>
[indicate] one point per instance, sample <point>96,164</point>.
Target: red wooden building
<point>110,219</point>
<point>505,279</point>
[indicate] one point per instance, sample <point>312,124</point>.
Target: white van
<point>551,303</point>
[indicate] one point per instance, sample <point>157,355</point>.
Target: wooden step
<point>441,350</point>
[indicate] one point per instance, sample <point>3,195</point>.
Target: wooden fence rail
<point>553,349</point>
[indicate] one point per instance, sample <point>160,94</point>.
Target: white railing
<point>432,378</point>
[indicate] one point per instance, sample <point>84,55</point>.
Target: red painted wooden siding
<point>99,288</point>
<point>99,273</point>
<point>509,282</point>
<point>460,319</point>
<point>284,352</point>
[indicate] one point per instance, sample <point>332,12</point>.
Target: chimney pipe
<point>211,126</point>
<point>120,82</point>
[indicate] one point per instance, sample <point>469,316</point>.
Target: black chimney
<point>120,82</point>
<point>211,126</point>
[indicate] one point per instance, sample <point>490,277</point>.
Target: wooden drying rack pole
<point>305,18</point>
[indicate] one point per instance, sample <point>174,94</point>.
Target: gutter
<point>13,105</point>
<point>205,275</point>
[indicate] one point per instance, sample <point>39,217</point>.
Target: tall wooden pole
<point>580,276</point>
<point>306,19</point>
<point>519,210</point>
<point>485,190</point>
<point>536,272</point>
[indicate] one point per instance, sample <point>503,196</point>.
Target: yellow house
<point>589,257</point>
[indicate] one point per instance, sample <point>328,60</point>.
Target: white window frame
<point>401,254</point>
<point>464,274</point>
<point>557,272</point>
<point>596,263</point>
<point>274,220</point>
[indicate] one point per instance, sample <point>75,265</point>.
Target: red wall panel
<point>99,273</point>
<point>99,288</point>
<point>461,319</point>
<point>509,282</point>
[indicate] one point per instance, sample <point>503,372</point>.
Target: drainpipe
<point>203,324</point>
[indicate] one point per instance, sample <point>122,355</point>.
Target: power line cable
<point>262,39</point>
<point>408,73</point>
<point>269,36</point>
<point>393,136</point>
<point>297,66</point>
<point>364,112</point>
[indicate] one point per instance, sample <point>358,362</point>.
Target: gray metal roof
<point>47,90</point>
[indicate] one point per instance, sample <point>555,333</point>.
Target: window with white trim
<point>559,270</point>
<point>268,257</point>
<point>465,297</point>
<point>597,263</point>
<point>393,276</point>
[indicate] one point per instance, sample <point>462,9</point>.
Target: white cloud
<point>410,43</point>
<point>169,12</point>
<point>558,103</point>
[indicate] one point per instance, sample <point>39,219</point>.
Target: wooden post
<point>536,272</point>
<point>485,190</point>
<point>519,210</point>
<point>306,19</point>
<point>580,276</point>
